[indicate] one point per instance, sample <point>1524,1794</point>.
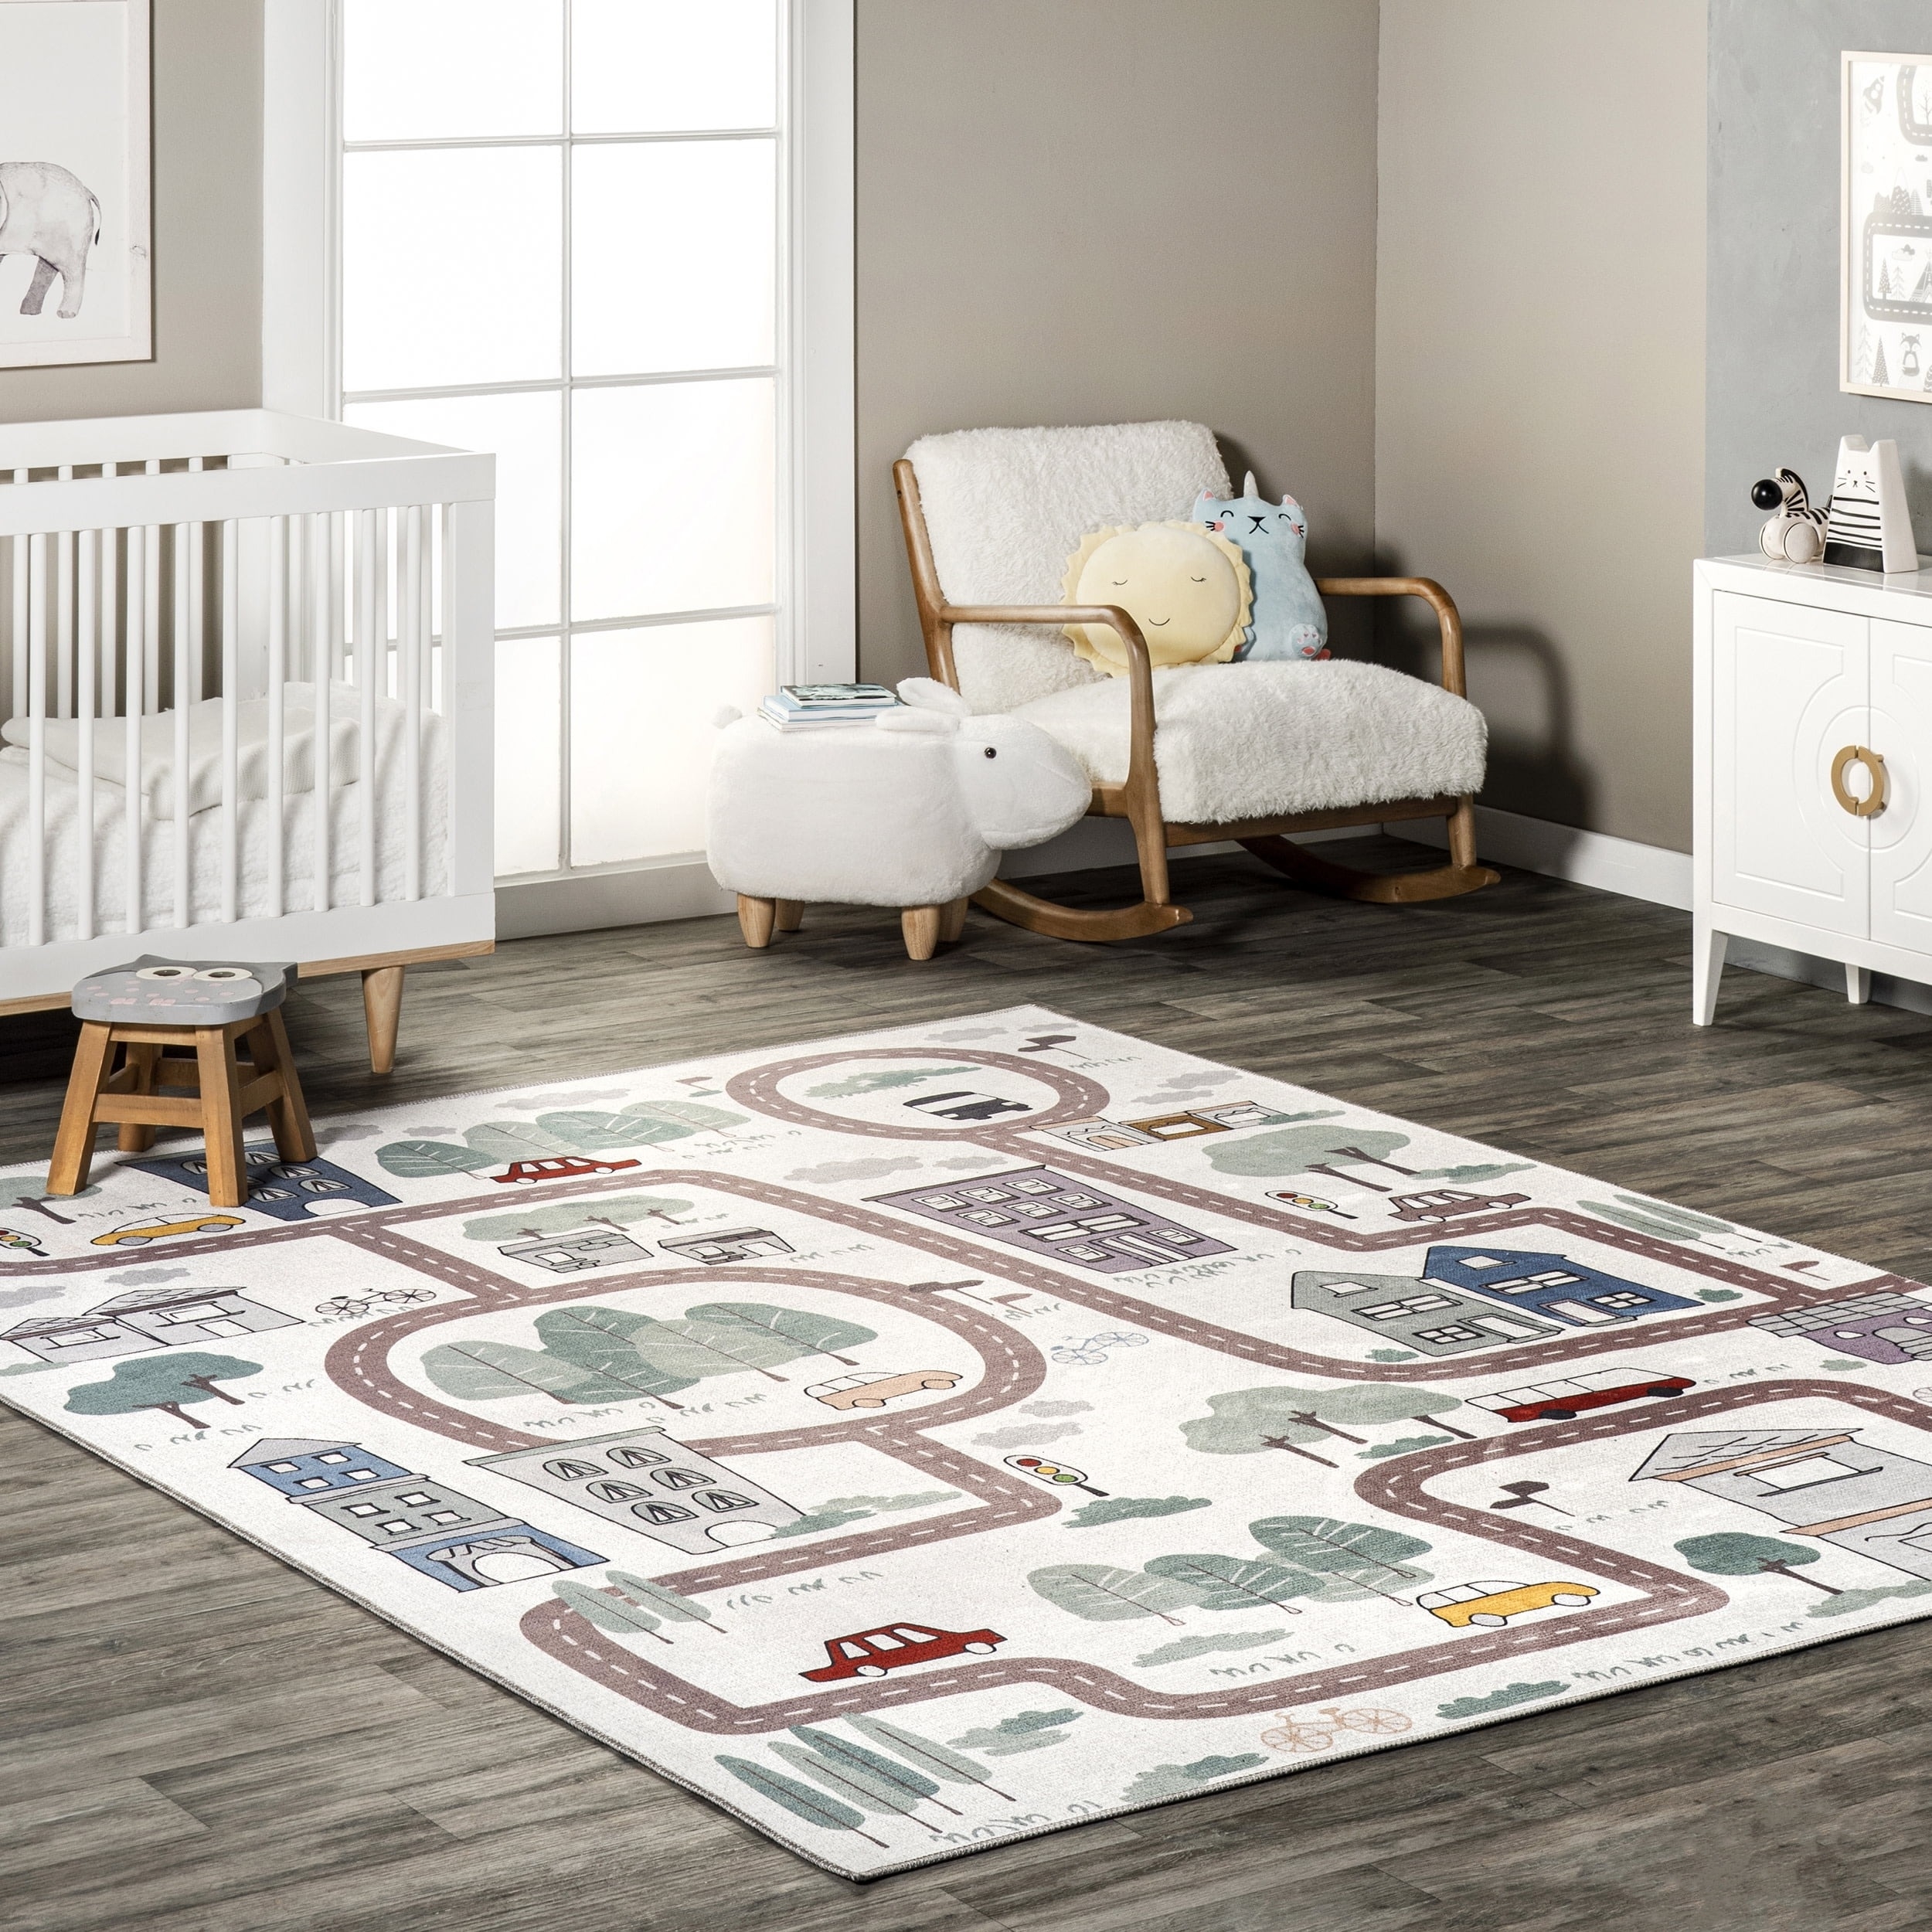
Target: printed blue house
<point>1553,1285</point>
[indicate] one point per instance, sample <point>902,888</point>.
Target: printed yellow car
<point>133,1236</point>
<point>1488,1605</point>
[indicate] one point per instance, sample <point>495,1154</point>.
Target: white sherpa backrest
<point>1007,508</point>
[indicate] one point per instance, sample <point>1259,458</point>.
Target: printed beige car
<point>874,1391</point>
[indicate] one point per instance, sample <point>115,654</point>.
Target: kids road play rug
<point>920,1439</point>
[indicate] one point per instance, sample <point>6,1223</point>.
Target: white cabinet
<point>1813,747</point>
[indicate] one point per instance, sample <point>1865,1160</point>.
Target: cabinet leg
<point>1858,985</point>
<point>1707,968</point>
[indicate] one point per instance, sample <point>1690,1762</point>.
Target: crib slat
<point>63,592</point>
<point>184,910</point>
<point>327,583</point>
<point>230,699</point>
<point>110,605</point>
<point>409,609</point>
<point>86,624</point>
<point>139,566</point>
<point>37,742</point>
<point>150,580</point>
<point>278,605</point>
<point>369,654</point>
<point>17,691</point>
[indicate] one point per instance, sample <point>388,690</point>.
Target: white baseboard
<point>682,889</point>
<point>1654,873</point>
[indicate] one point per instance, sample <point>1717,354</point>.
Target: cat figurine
<point>1289,623</point>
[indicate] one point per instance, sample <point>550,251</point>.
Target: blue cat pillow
<point>1289,622</point>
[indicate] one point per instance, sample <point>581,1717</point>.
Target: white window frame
<point>816,590</point>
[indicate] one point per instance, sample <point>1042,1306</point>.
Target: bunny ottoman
<point>913,809</point>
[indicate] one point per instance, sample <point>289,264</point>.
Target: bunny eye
<point>990,753</point>
<point>1197,579</point>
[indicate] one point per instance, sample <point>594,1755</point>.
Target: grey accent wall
<point>207,233</point>
<point>1092,211</point>
<point>1539,380</point>
<point>1773,395</point>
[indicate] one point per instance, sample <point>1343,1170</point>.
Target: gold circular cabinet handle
<point>1870,806</point>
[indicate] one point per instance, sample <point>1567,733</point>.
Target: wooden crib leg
<point>382,1007</point>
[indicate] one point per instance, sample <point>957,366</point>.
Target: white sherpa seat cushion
<point>1250,741</point>
<point>1005,508</point>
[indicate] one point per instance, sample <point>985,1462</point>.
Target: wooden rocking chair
<point>1137,799</point>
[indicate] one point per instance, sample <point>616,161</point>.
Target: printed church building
<point>1058,1218</point>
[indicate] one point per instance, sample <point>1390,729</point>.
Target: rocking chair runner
<point>1137,799</point>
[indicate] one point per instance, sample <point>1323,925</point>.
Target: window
<point>1810,1470</point>
<point>332,1455</point>
<point>1624,1299</point>
<point>610,241</point>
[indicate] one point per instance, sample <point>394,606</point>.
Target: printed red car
<point>1594,1389</point>
<point>562,1168</point>
<point>871,1653</point>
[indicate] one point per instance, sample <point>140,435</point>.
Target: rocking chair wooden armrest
<point>1447,617</point>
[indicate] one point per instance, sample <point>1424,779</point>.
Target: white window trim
<point>817,544</point>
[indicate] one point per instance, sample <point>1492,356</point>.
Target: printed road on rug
<point>924,1439</point>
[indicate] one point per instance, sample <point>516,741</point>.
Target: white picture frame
<point>75,136</point>
<point>1885,215</point>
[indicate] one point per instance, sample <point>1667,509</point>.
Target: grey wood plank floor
<point>195,1737</point>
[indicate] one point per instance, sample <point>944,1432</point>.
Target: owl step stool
<point>910,810</point>
<point>201,1009</point>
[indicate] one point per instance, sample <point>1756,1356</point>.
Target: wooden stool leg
<point>382,1007</point>
<point>143,1062</point>
<point>287,1115</point>
<point>221,1116</point>
<point>755,918</point>
<point>73,1146</point>
<point>920,926</point>
<point>790,914</point>
<point>952,921</point>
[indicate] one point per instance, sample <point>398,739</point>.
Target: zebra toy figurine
<point>1796,533</point>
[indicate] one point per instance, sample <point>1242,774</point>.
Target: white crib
<point>246,660</point>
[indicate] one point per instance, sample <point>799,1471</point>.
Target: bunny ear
<point>1247,484</point>
<point>928,694</point>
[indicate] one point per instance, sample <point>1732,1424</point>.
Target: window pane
<point>641,735</point>
<point>675,256</point>
<point>451,267</point>
<point>433,70</point>
<point>529,711</point>
<point>672,497</point>
<point>647,67</point>
<point>527,433</point>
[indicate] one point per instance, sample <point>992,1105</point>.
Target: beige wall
<point>1540,379</point>
<point>1088,211</point>
<point>207,185</point>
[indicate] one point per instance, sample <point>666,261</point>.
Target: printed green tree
<point>597,1339</point>
<point>641,1594</point>
<point>1363,1555</point>
<point>492,1142</point>
<point>856,1783</point>
<point>1736,1554</point>
<point>1244,1421</point>
<point>1241,1583</point>
<point>167,1383</point>
<point>938,1760</point>
<point>812,1333</point>
<point>620,1617</point>
<point>484,1370</point>
<point>617,1211</point>
<point>30,1191</point>
<point>1103,1594</point>
<point>800,1800</point>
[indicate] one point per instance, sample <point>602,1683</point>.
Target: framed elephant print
<point>76,276</point>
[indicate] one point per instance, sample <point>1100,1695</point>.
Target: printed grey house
<point>1886,1326</point>
<point>605,1247</point>
<point>147,1319</point>
<point>435,1530</point>
<point>728,1244</point>
<point>1409,1313</point>
<point>642,1479</point>
<point>1817,1482</point>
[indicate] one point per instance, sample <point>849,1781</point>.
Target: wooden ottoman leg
<point>919,924</point>
<point>952,921</point>
<point>73,1146</point>
<point>135,1137</point>
<point>382,1008</point>
<point>221,1116</point>
<point>790,914</point>
<point>755,918</point>
<point>288,1113</point>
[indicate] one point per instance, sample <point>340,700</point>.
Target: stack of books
<point>811,707</point>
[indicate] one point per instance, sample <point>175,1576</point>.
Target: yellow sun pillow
<point>1188,588</point>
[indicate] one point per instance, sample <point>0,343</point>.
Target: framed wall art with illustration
<point>1885,335</point>
<point>76,276</point>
